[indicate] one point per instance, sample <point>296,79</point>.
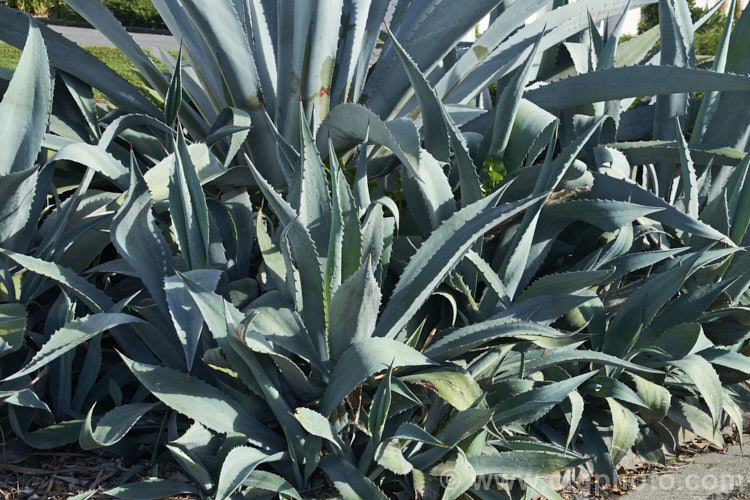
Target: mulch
<point>60,475</point>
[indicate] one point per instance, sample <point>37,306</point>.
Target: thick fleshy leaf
<point>656,397</point>
<point>313,196</point>
<point>625,430</point>
<point>468,338</point>
<point>185,314</point>
<point>609,187</point>
<point>25,106</point>
<point>354,311</point>
<point>187,206</point>
<point>152,489</point>
<point>531,405</point>
<point>695,420</point>
<point>24,196</point>
<point>434,128</point>
<point>202,402</point>
<point>678,51</point>
<point>429,196</point>
<point>739,202</point>
<point>12,327</point>
<point>207,166</point>
<point>318,425</point>
<point>569,282</point>
<point>71,335</point>
<point>514,265</point>
<point>349,124</point>
<point>645,152</point>
<point>437,256</point>
<point>365,359</point>
<point>381,405</point>
<point>237,466</point>
<point>269,481</point>
<point>489,62</point>
<point>234,123</point>
<point>454,386</point>
<point>438,127</point>
<point>349,480</point>
<point>507,106</point>
<point>173,98</point>
<point>274,319</point>
<point>608,215</point>
<point>94,298</point>
<point>727,125</point>
<point>710,101</point>
<point>138,240</point>
<point>390,456</point>
<point>522,463</point>
<point>113,426</point>
<point>192,466</point>
<point>219,26</point>
<point>46,438</point>
<point>578,356</point>
<point>413,432</point>
<point>633,81</point>
<point>576,412</point>
<point>462,478</point>
<point>25,399</point>
<point>641,307</point>
<point>689,179</point>
<point>706,380</point>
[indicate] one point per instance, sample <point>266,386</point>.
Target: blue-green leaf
<point>202,402</point>
<point>137,239</point>
<point>437,256</point>
<point>25,106</point>
<point>113,426</point>
<point>237,466</point>
<point>187,205</point>
<point>173,98</point>
<point>354,311</point>
<point>71,335</point>
<point>365,359</point>
<point>152,489</point>
<point>523,463</point>
<point>185,314</point>
<point>351,483</point>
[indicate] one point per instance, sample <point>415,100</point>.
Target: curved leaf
<point>350,482</point>
<point>632,81</point>
<point>113,426</point>
<point>152,489</point>
<point>202,402</point>
<point>437,256</point>
<point>237,466</point>
<point>365,359</point>
<point>71,335</point>
<point>25,106</point>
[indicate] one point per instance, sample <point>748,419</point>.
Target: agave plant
<point>241,55</point>
<point>405,332</point>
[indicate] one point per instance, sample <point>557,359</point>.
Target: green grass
<point>9,56</point>
<point>110,56</point>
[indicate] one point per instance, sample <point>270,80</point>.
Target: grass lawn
<point>111,56</point>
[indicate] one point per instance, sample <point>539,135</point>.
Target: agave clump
<point>288,314</point>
